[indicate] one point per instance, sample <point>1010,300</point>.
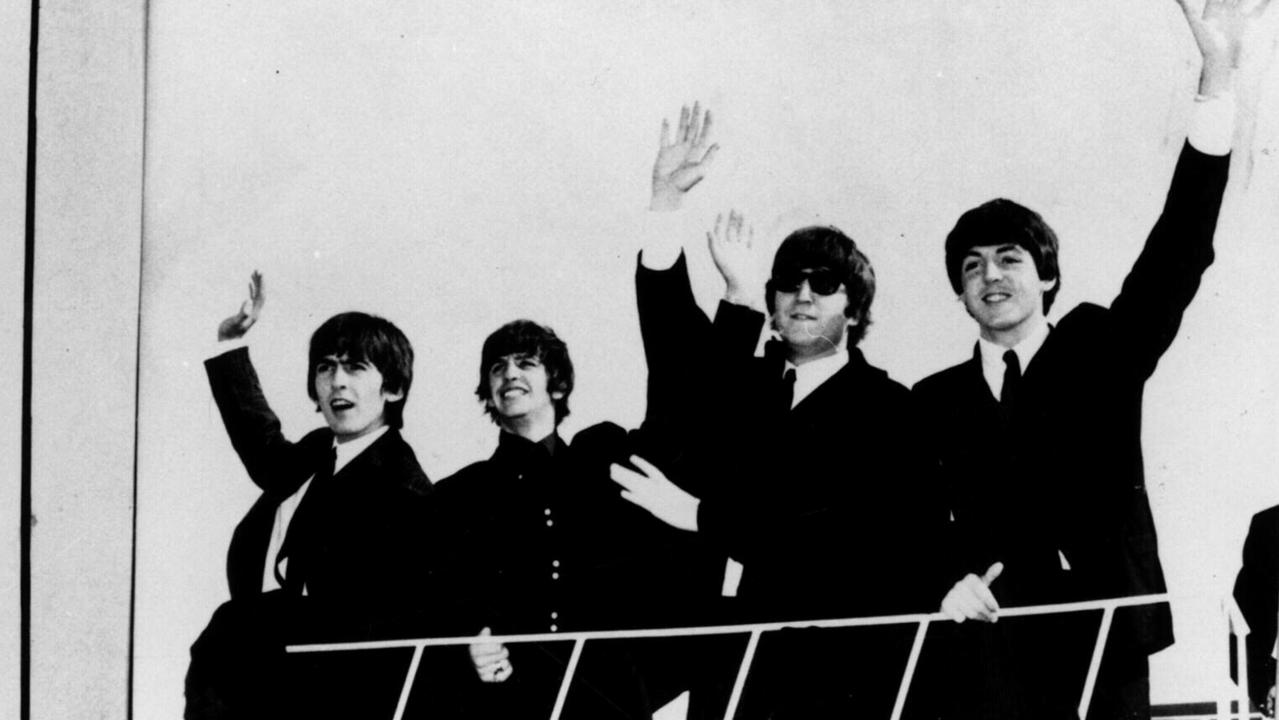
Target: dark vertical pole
<point>28,287</point>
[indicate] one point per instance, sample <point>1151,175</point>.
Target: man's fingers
<point>706,130</point>
<point>992,573</point>
<point>665,140</point>
<point>708,157</point>
<point>627,478</point>
<point>497,655</point>
<point>971,599</point>
<point>682,135</point>
<point>950,606</point>
<point>695,123</point>
<point>649,469</point>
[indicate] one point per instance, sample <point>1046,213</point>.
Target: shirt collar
<point>812,374</point>
<point>508,442</point>
<point>347,451</point>
<point>992,356</point>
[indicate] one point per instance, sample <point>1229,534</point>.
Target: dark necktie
<point>1012,379</point>
<point>786,392</point>
<point>300,541</point>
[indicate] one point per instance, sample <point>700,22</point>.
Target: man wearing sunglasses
<point>794,464</point>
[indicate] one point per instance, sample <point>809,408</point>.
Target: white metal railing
<point>923,620</point>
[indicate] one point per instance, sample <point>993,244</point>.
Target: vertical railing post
<point>568,678</point>
<point>1237,627</point>
<point>408,682</point>
<point>742,672</point>
<point>911,661</point>
<point>1094,666</point>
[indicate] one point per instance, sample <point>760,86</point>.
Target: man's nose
<point>992,271</point>
<point>340,376</point>
<point>510,370</point>
<point>805,291</point>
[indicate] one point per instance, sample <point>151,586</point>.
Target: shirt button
<point>555,576</point>
<point>549,522</point>
<point>555,628</point>
<point>547,511</point>
<point>554,615</point>
<point>555,563</point>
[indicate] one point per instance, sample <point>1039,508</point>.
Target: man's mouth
<point>996,297</point>
<point>512,390</point>
<point>340,404</point>
<point>802,317</point>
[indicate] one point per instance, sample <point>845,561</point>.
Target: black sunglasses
<point>821,281</point>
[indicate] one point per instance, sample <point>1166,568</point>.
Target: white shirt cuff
<point>1212,126</point>
<point>663,238</point>
<point>226,346</point>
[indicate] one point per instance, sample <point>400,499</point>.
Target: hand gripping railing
<point>756,629</point>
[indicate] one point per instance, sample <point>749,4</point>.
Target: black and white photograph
<point>647,360</point>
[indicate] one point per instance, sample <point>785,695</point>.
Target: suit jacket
<point>1060,475</point>
<point>371,551</point>
<point>1257,593</point>
<point>538,539</point>
<point>1054,486</point>
<point>820,503</point>
<point>805,499</point>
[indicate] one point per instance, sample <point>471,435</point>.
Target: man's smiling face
<point>1003,292</point>
<point>518,389</point>
<point>809,313</point>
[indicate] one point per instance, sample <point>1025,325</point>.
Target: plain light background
<point>453,166</point>
<point>15,26</point>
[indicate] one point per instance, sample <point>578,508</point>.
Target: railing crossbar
<point>744,628</point>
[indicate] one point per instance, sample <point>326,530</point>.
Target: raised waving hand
<point>732,246</point>
<point>238,324</point>
<point>684,160</point>
<point>1219,27</point>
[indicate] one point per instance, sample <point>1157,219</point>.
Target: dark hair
<point>525,337</point>
<point>366,338</point>
<point>1000,222</point>
<point>816,247</point>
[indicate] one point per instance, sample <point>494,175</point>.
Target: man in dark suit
<point>798,462</point>
<point>536,540</point>
<point>339,517</point>
<point>1257,594</point>
<point>1037,438</point>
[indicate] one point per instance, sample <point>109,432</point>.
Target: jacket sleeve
<point>273,462</point>
<point>1257,594</point>
<point>1164,279</point>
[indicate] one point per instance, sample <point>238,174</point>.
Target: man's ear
<point>1048,285</point>
<point>389,396</point>
<point>557,394</point>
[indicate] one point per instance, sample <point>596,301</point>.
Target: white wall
<point>88,237</point>
<point>15,37</point>
<point>455,165</point>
